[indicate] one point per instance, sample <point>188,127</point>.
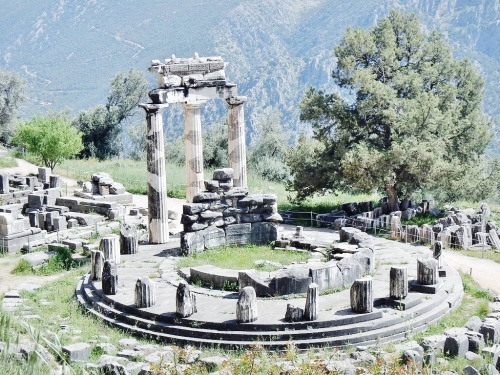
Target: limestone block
<point>366,257</point>
<point>456,345</point>
<point>398,286</point>
<point>223,174</point>
<point>78,352</point>
<point>293,313</point>
<point>412,358</point>
<point>251,218</point>
<point>427,271</point>
<point>351,269</point>
<point>490,331</point>
<point>54,181</point>
<point>110,246</point>
<point>192,242</point>
<point>35,201</point>
<point>116,188</point>
<point>246,307</point>
<point>327,275</point>
<point>185,300</point>
<point>213,237</point>
<point>312,301</point>
<point>263,233</point>
<point>346,233</point>
<point>256,280</point>
<point>206,197</point>
<point>4,183</point>
<point>97,264</point>
<point>109,278</point>
<point>396,228</point>
<point>476,341</point>
<point>362,295</point>
<point>145,292</point>
<point>474,323</point>
<point>44,175</point>
<point>238,234</point>
<point>290,281</point>
<point>129,239</point>
<point>433,343</point>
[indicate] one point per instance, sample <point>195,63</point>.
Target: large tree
<point>12,88</point>
<point>51,139</point>
<point>406,116</point>
<point>101,126</point>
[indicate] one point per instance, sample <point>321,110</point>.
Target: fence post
<point>311,218</point>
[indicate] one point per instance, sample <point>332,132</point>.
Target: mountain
<point>69,50</point>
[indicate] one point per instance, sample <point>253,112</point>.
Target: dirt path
<point>485,271</point>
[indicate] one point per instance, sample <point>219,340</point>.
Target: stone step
<point>398,329</point>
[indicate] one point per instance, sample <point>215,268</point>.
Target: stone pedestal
<point>157,183</point>
<point>145,292</point>
<point>246,307</point>
<point>362,295</point>
<point>398,286</point>
<point>236,140</point>
<point>109,278</point>
<point>438,253</point>
<point>427,271</point>
<point>129,240</point>
<point>193,149</point>
<point>311,310</point>
<point>110,246</point>
<point>4,183</point>
<point>97,264</point>
<point>44,175</point>
<point>54,182</point>
<point>396,228</point>
<point>185,301</point>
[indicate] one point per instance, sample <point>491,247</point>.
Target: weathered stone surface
<point>113,368</point>
<point>205,197</point>
<point>263,233</point>
<point>185,300</point>
<point>238,234</point>
<point>129,239</point>
<point>145,292</point>
<point>214,237</point>
<point>490,330</point>
<point>476,341</point>
<point>346,233</point>
<point>110,246</point>
<point>427,271</point>
<point>109,278</point>
<point>192,242</point>
<point>246,307</point>
<point>396,228</point>
<point>116,188</point>
<point>433,343</point>
<point>351,269</point>
<point>312,301</point>
<point>290,281</point>
<point>77,352</point>
<point>456,343</point>
<point>471,370</point>
<point>97,264</point>
<point>474,323</point>
<point>398,285</point>
<point>362,295</point>
<point>257,281</point>
<point>326,275</point>
<point>494,239</point>
<point>194,208</point>
<point>293,313</point>
<point>223,174</point>
<point>412,358</point>
<point>366,257</point>
<point>37,258</point>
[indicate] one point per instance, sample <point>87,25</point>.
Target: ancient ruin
<point>190,82</point>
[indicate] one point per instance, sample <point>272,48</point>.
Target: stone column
<point>129,241</point>
<point>185,300</point>
<point>97,260</point>
<point>4,183</point>
<point>362,295</point>
<point>438,252</point>
<point>110,246</point>
<point>157,184</point>
<point>311,310</point>
<point>109,278</point>
<point>193,149</point>
<point>398,286</point>
<point>427,271</point>
<point>246,308</point>
<point>145,292</point>
<point>237,154</point>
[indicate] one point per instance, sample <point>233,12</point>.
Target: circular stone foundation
<point>214,323</point>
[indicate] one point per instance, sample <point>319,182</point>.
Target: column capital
<point>236,100</point>
<point>152,108</point>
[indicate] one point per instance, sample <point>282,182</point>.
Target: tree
<point>410,116</point>
<point>102,125</point>
<point>268,146</point>
<point>12,88</point>
<point>52,139</point>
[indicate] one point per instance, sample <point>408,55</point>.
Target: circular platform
<point>215,322</point>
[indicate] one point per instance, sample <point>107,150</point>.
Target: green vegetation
<point>420,220</point>
<point>7,162</point>
<point>50,139</point>
<point>102,125</point>
<point>12,88</point>
<point>413,120</point>
<point>61,261</point>
<point>241,257</point>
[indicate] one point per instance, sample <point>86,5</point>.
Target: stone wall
<point>228,215</point>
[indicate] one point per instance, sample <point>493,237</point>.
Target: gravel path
<point>485,271</point>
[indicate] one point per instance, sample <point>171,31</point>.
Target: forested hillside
<point>70,50</point>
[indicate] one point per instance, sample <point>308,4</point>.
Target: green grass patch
<point>241,257</point>
<point>486,254</point>
<point>420,220</point>
<point>7,162</point>
<point>61,261</point>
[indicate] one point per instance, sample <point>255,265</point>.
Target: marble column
<point>157,183</point>
<point>237,154</point>
<point>193,149</point>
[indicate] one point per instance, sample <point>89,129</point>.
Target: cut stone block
<point>293,313</point>
<point>185,300</point>
<point>362,295</point>
<point>246,307</point>
<point>145,292</point>
<point>78,352</point>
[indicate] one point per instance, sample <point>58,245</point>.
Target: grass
<point>61,261</point>
<point>241,257</point>
<point>7,162</point>
<point>420,220</point>
<point>487,254</point>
